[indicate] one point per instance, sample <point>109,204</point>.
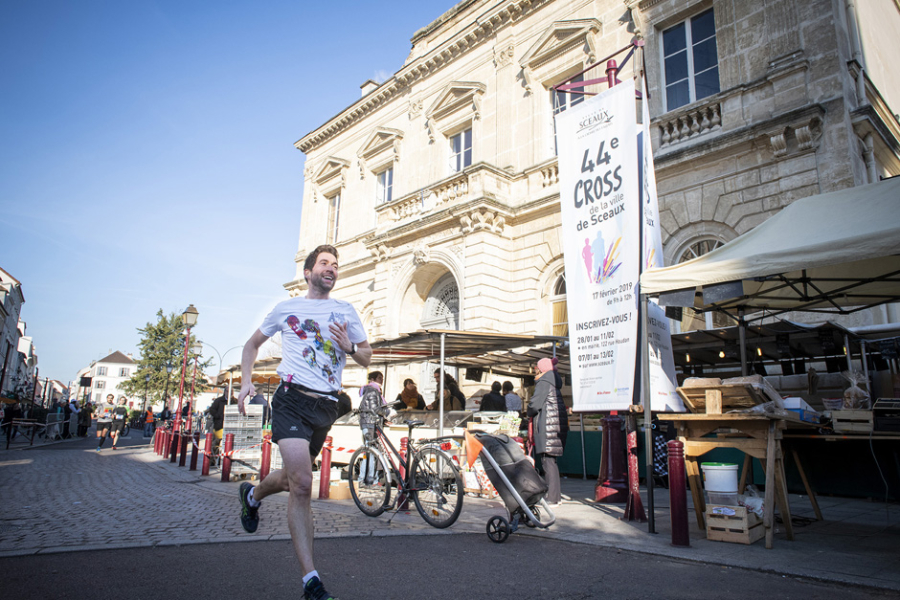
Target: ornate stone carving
<point>380,252</point>
<point>503,56</point>
<point>421,255</point>
<point>779,143</point>
<point>362,167</point>
<point>416,105</point>
<point>482,219</point>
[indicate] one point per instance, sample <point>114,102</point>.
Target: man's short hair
<point>375,375</point>
<point>495,387</point>
<point>314,256</point>
<point>507,386</point>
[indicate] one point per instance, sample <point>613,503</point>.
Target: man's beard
<point>321,284</point>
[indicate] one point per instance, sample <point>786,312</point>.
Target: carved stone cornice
<point>477,32</point>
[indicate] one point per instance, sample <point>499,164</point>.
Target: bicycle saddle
<point>414,423</point>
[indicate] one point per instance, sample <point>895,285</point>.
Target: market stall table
<point>757,435</point>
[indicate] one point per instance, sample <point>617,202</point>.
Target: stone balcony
<point>477,181</point>
<point>689,124</point>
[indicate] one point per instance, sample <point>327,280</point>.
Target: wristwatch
<point>353,349</point>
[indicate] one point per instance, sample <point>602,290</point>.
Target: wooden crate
<point>851,421</point>
<point>716,399</point>
<point>733,524</point>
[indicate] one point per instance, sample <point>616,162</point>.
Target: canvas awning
<point>836,253</point>
<point>507,354</point>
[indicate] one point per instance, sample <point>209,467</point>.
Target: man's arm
<point>363,354</point>
<point>248,358</point>
<point>339,336</point>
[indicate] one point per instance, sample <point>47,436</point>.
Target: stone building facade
<point>440,186</point>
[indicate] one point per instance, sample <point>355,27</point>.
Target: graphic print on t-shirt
<point>326,346</point>
<point>294,323</point>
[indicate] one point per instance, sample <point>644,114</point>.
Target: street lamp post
<point>197,349</point>
<point>189,318</point>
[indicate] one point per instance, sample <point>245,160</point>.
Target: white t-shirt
<point>308,354</point>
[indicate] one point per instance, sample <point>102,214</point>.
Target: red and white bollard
<point>266,461</point>
<point>207,449</point>
<point>678,494</point>
<point>325,470</point>
<point>184,442</point>
<point>226,457</point>
<point>196,441</point>
<point>176,441</point>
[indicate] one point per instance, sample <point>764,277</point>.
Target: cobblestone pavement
<point>70,497</point>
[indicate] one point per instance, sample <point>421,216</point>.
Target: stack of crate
<point>247,430</point>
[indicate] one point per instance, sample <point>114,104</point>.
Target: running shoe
<point>314,590</point>
<point>249,514</point>
<point>114,448</point>
<point>98,449</point>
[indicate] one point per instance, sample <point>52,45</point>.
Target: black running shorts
<point>117,427</point>
<point>103,425</point>
<point>298,415</point>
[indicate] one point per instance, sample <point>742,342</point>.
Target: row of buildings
<point>440,186</point>
<point>18,356</point>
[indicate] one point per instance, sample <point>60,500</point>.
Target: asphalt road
<point>408,567</point>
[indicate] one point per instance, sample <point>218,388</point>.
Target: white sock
<point>309,576</point>
<point>251,501</point>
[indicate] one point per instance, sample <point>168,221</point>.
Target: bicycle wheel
<point>370,481</point>
<point>125,431</point>
<point>437,487</point>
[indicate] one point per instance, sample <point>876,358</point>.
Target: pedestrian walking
<point>318,334</point>
<point>148,422</point>
<point>551,425</point>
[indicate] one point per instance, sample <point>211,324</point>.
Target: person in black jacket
<point>550,425</point>
<point>494,400</point>
<point>217,411</point>
<point>454,399</point>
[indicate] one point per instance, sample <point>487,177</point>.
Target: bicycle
<point>428,476</point>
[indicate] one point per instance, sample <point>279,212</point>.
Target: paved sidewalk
<point>67,497</point>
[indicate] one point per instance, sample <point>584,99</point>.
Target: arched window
<point>692,320</point>
<point>442,305</point>
<point>560,314</point>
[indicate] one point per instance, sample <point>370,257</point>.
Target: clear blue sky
<point>147,159</point>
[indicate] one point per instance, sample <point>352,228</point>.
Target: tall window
<point>101,371</point>
<point>334,218</point>
<point>99,384</point>
<point>385,186</point>
<point>559,307</point>
<point>562,101</point>
<point>123,372</point>
<point>691,61</point>
<point>460,151</point>
<point>692,320</point>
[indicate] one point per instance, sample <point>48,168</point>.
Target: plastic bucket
<point>720,477</point>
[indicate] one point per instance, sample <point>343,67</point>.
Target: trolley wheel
<point>498,529</point>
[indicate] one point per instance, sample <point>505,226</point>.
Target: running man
<point>119,418</point>
<point>305,405</point>
<point>104,422</point>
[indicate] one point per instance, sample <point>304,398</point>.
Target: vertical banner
<point>600,198</point>
<point>662,361</point>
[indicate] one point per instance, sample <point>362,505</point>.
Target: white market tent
<point>836,253</point>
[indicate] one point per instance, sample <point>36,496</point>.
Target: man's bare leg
<point>295,478</point>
